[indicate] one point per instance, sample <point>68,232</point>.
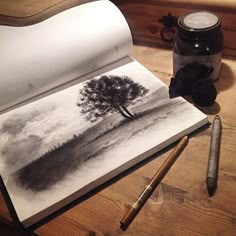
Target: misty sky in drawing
<point>27,133</point>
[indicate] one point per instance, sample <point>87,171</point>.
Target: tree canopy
<point>109,94</point>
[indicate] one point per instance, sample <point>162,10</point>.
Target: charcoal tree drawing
<point>109,94</point>
<point>97,99</point>
<point>66,144</point>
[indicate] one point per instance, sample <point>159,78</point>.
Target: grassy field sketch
<point>97,99</point>
<point>59,144</point>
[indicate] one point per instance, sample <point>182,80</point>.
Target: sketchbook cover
<point>60,147</point>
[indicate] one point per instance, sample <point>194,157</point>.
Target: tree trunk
<point>123,114</point>
<point>128,112</point>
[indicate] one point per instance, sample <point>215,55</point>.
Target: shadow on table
<point>226,80</point>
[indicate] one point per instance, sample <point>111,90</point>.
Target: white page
<point>36,58</point>
<point>96,151</point>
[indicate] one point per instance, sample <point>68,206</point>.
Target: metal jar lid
<point>196,23</point>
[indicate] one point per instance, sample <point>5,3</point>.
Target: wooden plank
<point>27,12</point>
<point>143,18</point>
<point>224,6</point>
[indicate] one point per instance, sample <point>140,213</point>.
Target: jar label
<point>209,60</point>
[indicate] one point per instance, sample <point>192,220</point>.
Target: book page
<point>60,147</point>
<point>65,47</point>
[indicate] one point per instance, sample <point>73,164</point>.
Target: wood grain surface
<point>226,5</point>
<point>143,18</point>
<point>180,206</point>
<point>27,12</point>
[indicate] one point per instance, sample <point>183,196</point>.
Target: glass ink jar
<point>198,39</point>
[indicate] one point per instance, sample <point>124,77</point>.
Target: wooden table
<point>180,205</point>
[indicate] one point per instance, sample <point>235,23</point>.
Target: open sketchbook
<point>69,140</point>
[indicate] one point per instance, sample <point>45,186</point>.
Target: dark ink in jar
<point>199,39</point>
